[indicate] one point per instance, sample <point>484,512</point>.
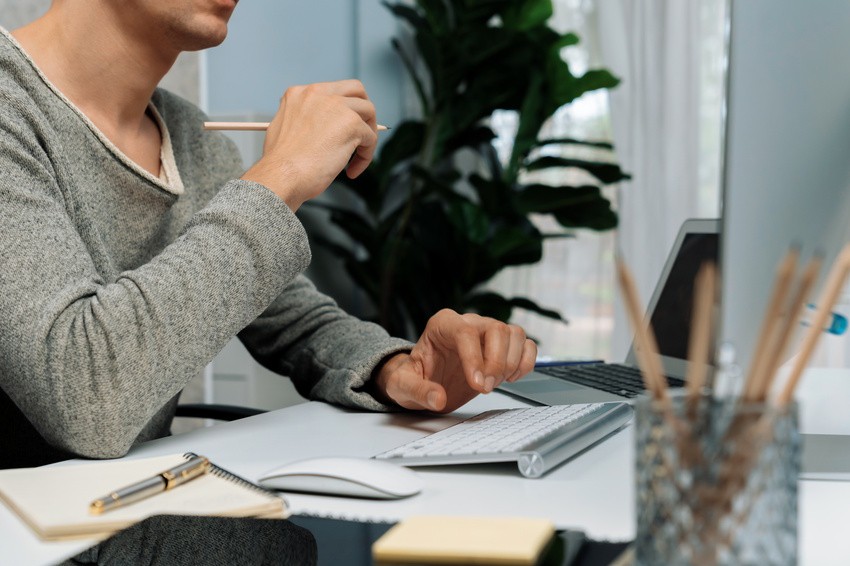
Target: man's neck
<point>104,70</point>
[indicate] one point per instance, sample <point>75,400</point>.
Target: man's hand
<point>318,131</point>
<point>456,358</point>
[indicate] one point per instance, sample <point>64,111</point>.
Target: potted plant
<point>437,214</point>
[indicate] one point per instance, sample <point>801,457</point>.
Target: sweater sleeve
<point>328,354</point>
<point>89,361</point>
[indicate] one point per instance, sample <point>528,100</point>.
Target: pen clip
<point>195,467</point>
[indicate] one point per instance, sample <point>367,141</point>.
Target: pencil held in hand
<point>253,126</point>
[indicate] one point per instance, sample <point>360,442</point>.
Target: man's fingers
<point>367,134</point>
<point>364,152</point>
<point>346,87</point>
<point>468,345</point>
<point>490,351</point>
<point>412,392</point>
<point>496,343</point>
<point>527,361</point>
<point>516,345</point>
<point>363,107</point>
<point>360,160</point>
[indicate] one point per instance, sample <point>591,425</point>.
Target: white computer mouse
<point>352,477</point>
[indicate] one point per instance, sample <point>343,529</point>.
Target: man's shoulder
<point>24,95</point>
<point>16,74</point>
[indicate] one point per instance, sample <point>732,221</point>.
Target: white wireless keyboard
<point>537,438</point>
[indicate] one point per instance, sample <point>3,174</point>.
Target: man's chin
<point>211,36</point>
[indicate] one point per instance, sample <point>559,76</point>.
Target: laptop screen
<point>671,316</point>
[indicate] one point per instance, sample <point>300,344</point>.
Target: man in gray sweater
<point>134,246</point>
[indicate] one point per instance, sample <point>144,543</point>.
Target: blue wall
<point>273,44</point>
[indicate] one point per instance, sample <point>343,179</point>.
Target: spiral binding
<point>230,476</point>
<point>345,517</point>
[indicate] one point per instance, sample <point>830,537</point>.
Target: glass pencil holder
<point>716,482</point>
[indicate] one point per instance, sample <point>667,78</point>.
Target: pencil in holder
<point>716,482</point>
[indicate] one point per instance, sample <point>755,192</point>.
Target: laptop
<point>669,311</point>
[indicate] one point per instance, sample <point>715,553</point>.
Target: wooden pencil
<point>699,343</point>
<point>784,276</point>
<point>792,319</point>
<point>833,287</point>
<point>252,126</point>
<point>647,348</point>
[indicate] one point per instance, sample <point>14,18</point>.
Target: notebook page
<point>55,501</point>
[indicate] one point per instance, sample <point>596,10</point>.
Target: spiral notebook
<point>54,501</point>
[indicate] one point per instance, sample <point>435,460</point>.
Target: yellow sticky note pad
<point>464,540</point>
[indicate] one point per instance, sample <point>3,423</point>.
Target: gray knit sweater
<point>117,288</point>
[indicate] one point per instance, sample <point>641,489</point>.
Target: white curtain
<point>654,47</point>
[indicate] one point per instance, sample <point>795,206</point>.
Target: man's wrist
<point>280,179</point>
<point>377,384</point>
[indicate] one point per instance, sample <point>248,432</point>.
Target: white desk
<point>594,492</point>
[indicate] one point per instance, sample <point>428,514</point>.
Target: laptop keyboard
<point>618,379</point>
<point>537,438</point>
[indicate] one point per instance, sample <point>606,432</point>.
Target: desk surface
<point>593,492</point>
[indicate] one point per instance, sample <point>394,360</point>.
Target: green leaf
<point>352,223</point>
<point>566,40</point>
<point>337,249</point>
<point>490,304</point>
<point>596,79</point>
<point>572,141</point>
<point>442,185</point>
<point>437,14</point>
<point>521,245</point>
<point>494,195</point>
<point>607,173</point>
<point>363,275</point>
<point>414,76</point>
<point>366,187</point>
<point>596,215</point>
<point>529,125</point>
<point>544,198</point>
<point>408,14</point>
<point>470,220</point>
<point>474,137</point>
<point>404,143</point>
<point>527,14</point>
<point>529,305</point>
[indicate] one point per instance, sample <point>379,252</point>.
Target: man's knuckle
<point>312,89</point>
<point>293,92</point>
<point>516,333</point>
<point>468,332</point>
<point>471,318</point>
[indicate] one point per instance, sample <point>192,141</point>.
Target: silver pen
<point>169,479</point>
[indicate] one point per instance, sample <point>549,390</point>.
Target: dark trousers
<point>177,540</point>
